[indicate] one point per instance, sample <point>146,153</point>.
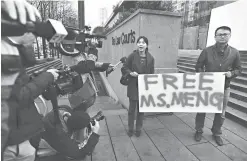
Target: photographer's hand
<point>111,66</point>
<point>96,127</point>
<point>20,10</point>
<point>134,74</point>
<point>26,39</point>
<point>228,74</point>
<point>54,72</point>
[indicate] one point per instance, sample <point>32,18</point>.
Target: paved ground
<point>164,138</point>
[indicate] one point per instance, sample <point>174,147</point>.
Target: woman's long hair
<point>145,40</point>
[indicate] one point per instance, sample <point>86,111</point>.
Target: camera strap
<point>54,102</point>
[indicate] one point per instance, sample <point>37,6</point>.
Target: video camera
<point>77,41</point>
<point>12,30</point>
<point>98,117</point>
<point>53,30</point>
<point>68,82</point>
<point>69,41</point>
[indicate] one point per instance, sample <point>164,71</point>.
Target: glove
<point>96,127</point>
<point>54,72</point>
<point>98,64</point>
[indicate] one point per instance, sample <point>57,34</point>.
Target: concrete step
<point>185,68</point>
<point>191,61</point>
<point>244,67</point>
<point>188,58</point>
<point>187,64</point>
<point>244,63</point>
<point>241,80</point>
<point>243,58</point>
<point>244,74</point>
<point>239,87</point>
<point>243,52</point>
<point>183,71</point>
<point>238,105</point>
<point>238,95</point>
<point>237,116</point>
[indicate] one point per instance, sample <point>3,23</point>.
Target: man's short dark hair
<point>222,27</point>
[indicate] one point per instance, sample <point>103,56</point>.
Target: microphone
<point>122,60</point>
<point>52,30</point>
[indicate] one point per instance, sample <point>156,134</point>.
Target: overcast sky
<point>92,9</point>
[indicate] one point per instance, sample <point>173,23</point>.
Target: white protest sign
<point>181,92</point>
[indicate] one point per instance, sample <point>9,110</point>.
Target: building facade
<point>196,12</point>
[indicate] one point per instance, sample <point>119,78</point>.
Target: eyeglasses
<point>220,35</point>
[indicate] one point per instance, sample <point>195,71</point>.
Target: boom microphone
<point>52,30</point>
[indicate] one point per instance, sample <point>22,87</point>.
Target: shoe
<point>218,140</point>
<point>130,133</point>
<point>198,136</point>
<point>138,133</point>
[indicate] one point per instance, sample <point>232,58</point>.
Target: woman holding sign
<point>140,61</point>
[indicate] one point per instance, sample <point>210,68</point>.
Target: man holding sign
<point>218,58</point>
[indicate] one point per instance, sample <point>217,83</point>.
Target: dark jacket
<point>133,65</point>
<point>212,60</point>
<point>62,142</point>
<point>27,122</point>
<point>89,65</point>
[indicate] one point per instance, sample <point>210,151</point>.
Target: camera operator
<point>83,63</point>
<point>86,61</point>
<point>18,10</point>
<point>67,137</point>
<point>27,120</point>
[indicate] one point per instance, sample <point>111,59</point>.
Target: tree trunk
<point>49,9</point>
<point>52,52</point>
<point>52,10</point>
<point>37,47</point>
<point>44,47</point>
<point>43,39</point>
<point>63,13</point>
